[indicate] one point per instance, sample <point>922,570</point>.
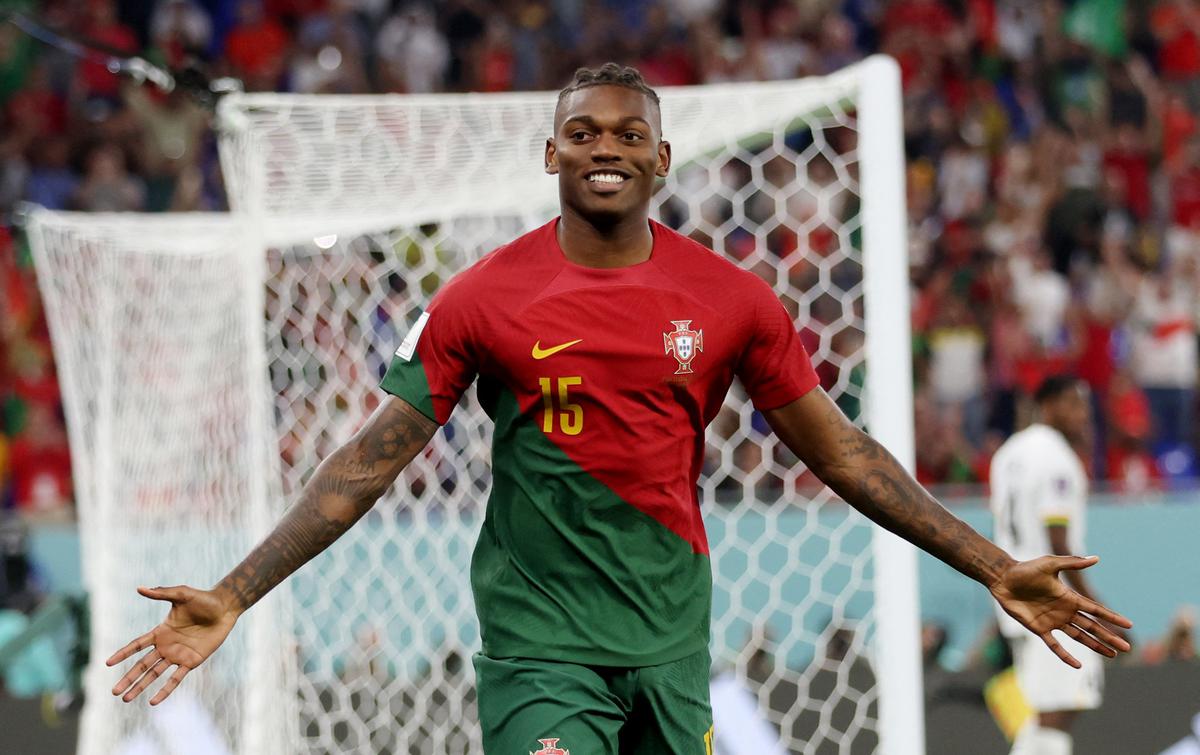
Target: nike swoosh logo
<point>540,353</point>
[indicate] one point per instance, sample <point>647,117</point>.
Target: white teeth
<point>607,178</point>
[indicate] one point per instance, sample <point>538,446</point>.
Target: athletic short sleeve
<point>436,360</point>
<point>775,369</point>
<point>1062,495</point>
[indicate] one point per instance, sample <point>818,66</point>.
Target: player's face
<point>1073,413</point>
<point>607,151</point>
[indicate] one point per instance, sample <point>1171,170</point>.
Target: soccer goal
<point>209,362</point>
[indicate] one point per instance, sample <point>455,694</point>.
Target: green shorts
<point>555,708</point>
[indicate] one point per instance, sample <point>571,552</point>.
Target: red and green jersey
<point>600,383</point>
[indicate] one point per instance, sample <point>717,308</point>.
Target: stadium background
<point>1053,194</point>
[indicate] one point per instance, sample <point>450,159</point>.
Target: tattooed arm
<point>344,487</point>
<point>865,475</point>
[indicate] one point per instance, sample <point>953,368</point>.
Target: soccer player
<point>603,344</point>
<point>1039,501</point>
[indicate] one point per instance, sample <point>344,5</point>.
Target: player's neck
<point>1074,440</point>
<point>627,241</point>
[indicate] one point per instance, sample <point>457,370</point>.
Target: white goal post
<point>208,362</point>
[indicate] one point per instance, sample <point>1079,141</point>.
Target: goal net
<point>349,212</point>
<point>157,337</point>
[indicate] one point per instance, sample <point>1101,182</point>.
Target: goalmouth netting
<point>209,362</point>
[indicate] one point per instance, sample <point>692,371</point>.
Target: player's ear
<point>551,157</point>
<point>664,159</point>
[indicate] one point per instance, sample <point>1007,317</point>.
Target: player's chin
<point>601,207</point>
<point>626,200</point>
<point>603,193</point>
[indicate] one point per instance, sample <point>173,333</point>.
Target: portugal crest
<point>550,747</point>
<point>684,343</point>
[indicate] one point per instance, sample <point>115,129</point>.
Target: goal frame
<point>887,341</point>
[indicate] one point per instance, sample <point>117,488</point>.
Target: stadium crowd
<point>1053,174</point>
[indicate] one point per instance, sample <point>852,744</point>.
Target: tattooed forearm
<point>873,481</point>
<point>344,487</point>
<point>869,478</point>
<point>310,526</point>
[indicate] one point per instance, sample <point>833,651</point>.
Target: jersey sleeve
<point>1061,498</point>
<point>775,369</point>
<point>436,361</point>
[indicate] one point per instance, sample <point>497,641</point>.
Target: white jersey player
<point>1039,504</point>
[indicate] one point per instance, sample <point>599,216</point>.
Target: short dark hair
<point>609,74</point>
<point>1055,386</point>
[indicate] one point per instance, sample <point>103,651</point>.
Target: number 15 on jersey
<point>556,401</point>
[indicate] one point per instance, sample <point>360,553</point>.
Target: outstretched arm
<point>344,487</point>
<point>866,476</point>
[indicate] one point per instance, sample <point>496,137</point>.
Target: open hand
<point>195,627</point>
<point>1032,593</point>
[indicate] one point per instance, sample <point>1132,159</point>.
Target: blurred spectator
<point>1018,28</point>
<point>1178,126</point>
<point>464,24</point>
<point>836,46</point>
<point>173,128</point>
<point>1164,356</point>
<point>41,465</point>
<point>956,374</point>
<point>1185,188</point>
<point>531,32</point>
<point>179,28</point>
<point>934,639</point>
<point>1042,295</point>
<point>784,52</point>
<point>102,27</point>
<point>1176,28</point>
<point>1128,426</point>
<point>107,185</point>
<point>962,180</point>
<point>18,591</point>
<point>14,170</point>
<point>1179,642</point>
<point>37,110</point>
<point>17,53</point>
<point>330,51</point>
<point>664,56</point>
<point>1127,171</point>
<point>5,466</point>
<point>495,63</point>
<point>413,54</point>
<point>257,47</point>
<point>943,455</point>
<point>1022,193</point>
<point>51,183</point>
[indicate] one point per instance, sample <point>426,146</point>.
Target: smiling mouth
<point>615,179</point>
<point>606,181</point>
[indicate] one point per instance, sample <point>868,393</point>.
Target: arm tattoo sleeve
<point>869,478</point>
<point>344,487</point>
